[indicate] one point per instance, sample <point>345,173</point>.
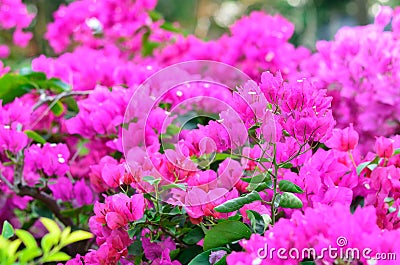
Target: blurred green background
<point>208,19</point>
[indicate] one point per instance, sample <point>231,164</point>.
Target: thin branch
<point>47,200</point>
<point>60,96</point>
<point>9,185</point>
<point>54,101</point>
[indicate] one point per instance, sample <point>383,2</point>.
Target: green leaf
<point>187,254</point>
<point>222,261</point>
<point>13,247</point>
<point>28,240</point>
<point>289,200</point>
<point>77,236</point>
<point>221,156</point>
<point>35,76</point>
<point>389,200</point>
<point>39,209</point>
<point>151,180</point>
<point>135,248</point>
<point>168,210</point>
<point>396,152</point>
<point>252,131</point>
<point>204,258</point>
<point>35,136</point>
<point>170,27</point>
<point>58,256</point>
<point>51,226</point>
<point>194,236</point>
<point>285,185</point>
<point>8,230</point>
<point>357,201</point>
<point>260,182</point>
<point>237,203</point>
<point>263,159</point>
<point>287,165</point>
<point>57,86</point>
<point>361,167</point>
<point>72,106</point>
<point>154,15</point>
<point>259,222</point>
<point>173,129</point>
<point>235,217</point>
<point>225,233</point>
<point>48,241</point>
<point>65,234</point>
<point>13,86</point>
<point>371,165</point>
<point>172,253</point>
<point>174,185</point>
<point>57,108</point>
<point>28,254</point>
<point>147,45</point>
<point>286,133</point>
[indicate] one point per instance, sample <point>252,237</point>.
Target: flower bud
<point>384,147</point>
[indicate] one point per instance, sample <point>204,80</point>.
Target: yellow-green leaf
<point>48,241</point>
<point>51,226</point>
<point>58,256</point>
<point>77,236</point>
<point>12,249</point>
<point>28,254</point>
<point>28,240</point>
<point>65,234</point>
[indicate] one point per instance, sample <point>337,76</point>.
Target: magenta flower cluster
<point>305,153</point>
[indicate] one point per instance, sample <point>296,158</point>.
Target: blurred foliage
<point>50,249</point>
<point>314,19</point>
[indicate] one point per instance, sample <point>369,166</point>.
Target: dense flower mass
<point>264,146</point>
<point>14,16</point>
<point>248,46</point>
<point>360,69</point>
<point>306,235</point>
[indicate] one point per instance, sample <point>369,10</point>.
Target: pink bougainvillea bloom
<point>56,157</point>
<point>384,147</point>
<point>115,220</point>
<point>83,194</point>
<point>153,250</point>
<point>62,189</point>
<point>4,51</point>
<point>75,261</point>
<point>11,139</point>
<point>119,209</point>
<point>21,38</point>
<point>383,16</point>
<point>3,70</point>
<point>256,206</point>
<point>343,140</point>
<point>113,174</point>
<point>199,203</point>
